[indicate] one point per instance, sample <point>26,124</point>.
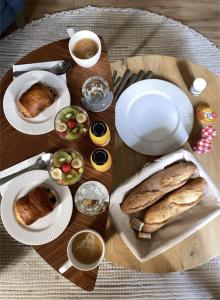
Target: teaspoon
<point>59,69</point>
<point>42,163</point>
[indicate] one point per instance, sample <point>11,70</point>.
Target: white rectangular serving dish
<point>182,227</point>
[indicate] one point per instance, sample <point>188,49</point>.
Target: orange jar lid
<point>206,114</point>
<point>101,160</point>
<point>99,133</point>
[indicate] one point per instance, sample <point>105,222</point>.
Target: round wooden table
<point>205,244</point>
<point>192,252</point>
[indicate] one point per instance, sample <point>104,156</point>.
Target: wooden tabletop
<point>193,251</point>
<point>21,146</point>
<point>205,244</point>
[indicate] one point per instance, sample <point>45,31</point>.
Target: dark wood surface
<point>16,146</point>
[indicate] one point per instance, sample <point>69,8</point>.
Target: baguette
<point>156,186</point>
<point>173,205</point>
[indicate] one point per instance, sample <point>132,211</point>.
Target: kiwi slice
<point>60,158</point>
<point>71,112</point>
<point>72,177</point>
<point>81,170</point>
<point>71,136</point>
<point>73,154</point>
<point>80,127</point>
<point>74,130</point>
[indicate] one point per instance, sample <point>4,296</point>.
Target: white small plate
<point>45,229</point>
<point>44,122</point>
<point>154,117</point>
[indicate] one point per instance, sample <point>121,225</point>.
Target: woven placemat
<point>127,32</point>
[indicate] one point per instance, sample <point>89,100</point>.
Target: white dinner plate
<point>154,117</point>
<point>45,229</point>
<point>44,122</point>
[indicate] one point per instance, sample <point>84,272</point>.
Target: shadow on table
<point>186,72</point>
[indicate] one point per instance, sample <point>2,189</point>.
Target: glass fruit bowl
<point>66,166</point>
<point>71,122</point>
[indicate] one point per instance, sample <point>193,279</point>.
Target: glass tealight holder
<point>92,198</point>
<point>97,94</point>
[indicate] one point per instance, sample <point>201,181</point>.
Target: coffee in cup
<point>85,251</point>
<point>87,248</point>
<point>84,47</point>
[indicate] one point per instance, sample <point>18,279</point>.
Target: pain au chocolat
<point>36,99</point>
<point>34,205</point>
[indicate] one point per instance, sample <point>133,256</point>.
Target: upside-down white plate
<point>44,122</point>
<point>154,117</point>
<point>45,229</point>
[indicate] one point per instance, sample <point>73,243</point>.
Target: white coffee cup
<point>72,261</point>
<point>79,35</point>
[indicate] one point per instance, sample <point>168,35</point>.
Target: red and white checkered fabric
<point>208,133</point>
<point>203,146</point>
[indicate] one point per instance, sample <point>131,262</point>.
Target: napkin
<point>35,66</point>
<point>18,167</point>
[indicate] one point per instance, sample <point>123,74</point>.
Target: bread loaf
<point>156,186</point>
<point>173,205</point>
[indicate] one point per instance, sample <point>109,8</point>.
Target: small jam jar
<point>101,160</point>
<point>206,114</point>
<point>99,133</point>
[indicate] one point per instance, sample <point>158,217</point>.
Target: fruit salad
<point>67,167</point>
<point>71,122</point>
